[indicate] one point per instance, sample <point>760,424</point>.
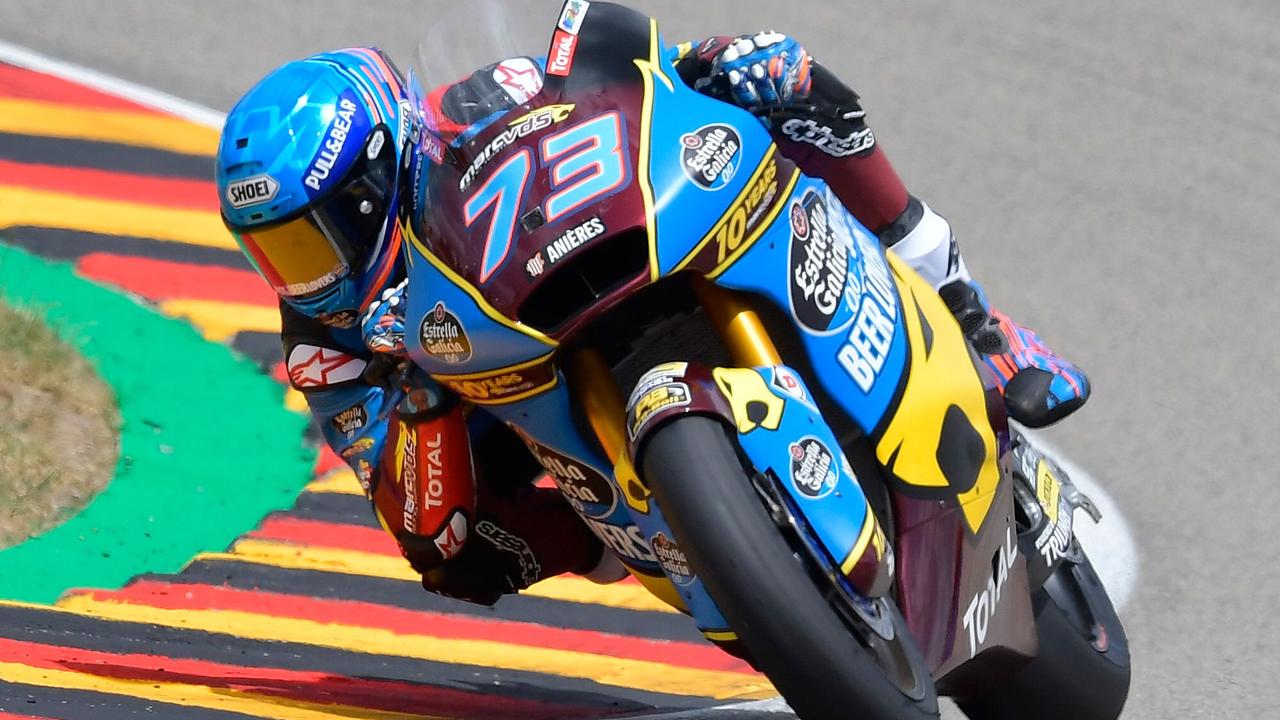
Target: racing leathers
<point>480,528</point>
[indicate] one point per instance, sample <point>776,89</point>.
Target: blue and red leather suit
<point>450,483</point>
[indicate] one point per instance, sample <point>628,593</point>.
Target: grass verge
<point>58,428</point>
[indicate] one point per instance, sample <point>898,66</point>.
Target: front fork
<point>866,564</point>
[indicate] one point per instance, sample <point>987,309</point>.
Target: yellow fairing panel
<point>939,437</point>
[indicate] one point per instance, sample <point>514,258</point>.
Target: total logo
<point>563,48</point>
<point>982,608</point>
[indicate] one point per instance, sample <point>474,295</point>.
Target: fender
<point>785,438</point>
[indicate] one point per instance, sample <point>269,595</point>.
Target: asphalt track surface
<point>1112,171</point>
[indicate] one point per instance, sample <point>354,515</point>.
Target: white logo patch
<point>310,366</point>
<point>520,78</point>
<point>252,191</point>
<point>575,11</point>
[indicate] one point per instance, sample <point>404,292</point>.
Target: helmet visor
<point>335,236</point>
<point>297,258</point>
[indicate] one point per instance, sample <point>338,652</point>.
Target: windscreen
<point>467,36</point>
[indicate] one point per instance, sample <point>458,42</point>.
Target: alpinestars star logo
<point>311,366</point>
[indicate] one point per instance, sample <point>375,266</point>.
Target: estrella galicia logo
<point>341,319</point>
<point>351,421</point>
<point>711,155</point>
<point>444,338</point>
<point>813,467</point>
<point>821,272</point>
<point>589,492</point>
<point>672,560</point>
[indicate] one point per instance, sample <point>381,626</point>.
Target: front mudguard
<point>786,440</point>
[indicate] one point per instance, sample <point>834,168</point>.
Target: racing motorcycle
<point>777,426</point>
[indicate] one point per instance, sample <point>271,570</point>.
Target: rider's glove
<point>765,71</point>
<point>383,324</point>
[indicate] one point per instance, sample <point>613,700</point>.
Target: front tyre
<point>1082,669</point>
<point>763,587</point>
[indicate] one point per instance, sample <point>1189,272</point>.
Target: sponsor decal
<point>364,473</point>
<point>342,319</point>
<point>589,492</point>
<point>569,241</point>
<point>657,375</point>
<point>743,220</point>
<point>360,446</point>
<point>711,155</point>
<point>560,60</point>
<point>410,129</point>
<point>1055,540</point>
<point>788,383</point>
<point>754,405</point>
<point>407,463</point>
<point>870,337</point>
<point>982,608</point>
<point>822,273</point>
<point>376,143</point>
<point>450,540</point>
<point>432,148</point>
<point>530,570</point>
<point>351,421</point>
<point>311,367</point>
<point>256,190</point>
<point>407,445</point>
<point>443,336</point>
<point>656,400</point>
<point>521,127</point>
<point>503,386</point>
<point>520,78</point>
<point>672,560</point>
<point>813,468</point>
<point>627,542</point>
<point>346,122</point>
<point>811,132</point>
<point>575,11</point>
<point>536,265</point>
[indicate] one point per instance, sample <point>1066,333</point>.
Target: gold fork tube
<point>593,384</point>
<point>738,325</point>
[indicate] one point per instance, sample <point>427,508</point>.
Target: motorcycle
<point>777,426</point>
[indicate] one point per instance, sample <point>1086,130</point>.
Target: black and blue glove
<point>766,71</point>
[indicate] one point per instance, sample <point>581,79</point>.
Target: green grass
<point>58,422</point>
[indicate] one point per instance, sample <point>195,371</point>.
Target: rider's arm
<point>411,452</point>
<point>827,135</point>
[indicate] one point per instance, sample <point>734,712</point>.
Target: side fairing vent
<point>580,281</point>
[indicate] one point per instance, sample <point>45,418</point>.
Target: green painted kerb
<point>206,448</point>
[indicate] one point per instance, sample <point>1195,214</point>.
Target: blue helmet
<point>308,174</point>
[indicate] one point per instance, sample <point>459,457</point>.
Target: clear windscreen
<point>467,36</point>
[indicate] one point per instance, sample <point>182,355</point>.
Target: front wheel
<point>766,591</point>
<point>1082,669</point>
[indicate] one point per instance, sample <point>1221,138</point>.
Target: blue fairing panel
<point>794,444</point>
<point>829,273</point>
<point>451,331</point>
